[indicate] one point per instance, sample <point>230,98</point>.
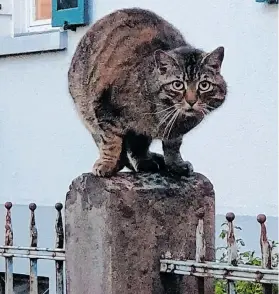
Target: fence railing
<point>230,271</point>
<point>33,253</point>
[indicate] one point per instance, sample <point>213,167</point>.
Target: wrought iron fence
<point>33,253</point>
<point>230,271</point>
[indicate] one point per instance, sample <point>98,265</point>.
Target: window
<point>38,25</point>
<point>31,29</point>
<point>38,16</point>
<point>40,12</point>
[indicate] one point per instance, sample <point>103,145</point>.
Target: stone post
<point>117,228</point>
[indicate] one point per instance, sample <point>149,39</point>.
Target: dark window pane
<point>66,4</point>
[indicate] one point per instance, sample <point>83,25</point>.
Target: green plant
<point>247,258</point>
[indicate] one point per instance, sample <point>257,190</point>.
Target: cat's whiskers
<point>168,114</point>
<point>203,113</point>
<point>166,109</point>
<point>203,105</point>
<point>165,117</point>
<point>202,109</point>
<point>158,104</point>
<point>168,124</point>
<point>173,121</point>
<point>205,109</point>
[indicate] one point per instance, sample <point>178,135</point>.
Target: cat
<point>133,78</point>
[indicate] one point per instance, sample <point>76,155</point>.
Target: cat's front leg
<point>174,162</point>
<point>110,154</point>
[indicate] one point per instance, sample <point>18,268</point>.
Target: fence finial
<point>232,248</point>
<point>200,239</point>
<point>32,227</point>
<point>200,245</point>
<point>59,226</point>
<point>9,236</point>
<point>59,244</point>
<point>265,246</point>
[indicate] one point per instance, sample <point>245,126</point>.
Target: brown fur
<point>121,80</point>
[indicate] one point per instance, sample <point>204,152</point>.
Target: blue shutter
<point>268,1</point>
<point>69,13</point>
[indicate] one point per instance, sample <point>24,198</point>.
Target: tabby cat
<point>134,78</point>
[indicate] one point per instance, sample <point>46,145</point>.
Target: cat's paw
<point>154,163</point>
<point>183,168</point>
<point>148,165</point>
<point>159,159</point>
<point>104,168</point>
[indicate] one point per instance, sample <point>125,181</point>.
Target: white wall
<point>43,145</point>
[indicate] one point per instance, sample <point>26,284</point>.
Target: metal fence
<point>230,271</point>
<point>33,253</point>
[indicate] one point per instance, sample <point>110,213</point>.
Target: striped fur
<point>134,78</point>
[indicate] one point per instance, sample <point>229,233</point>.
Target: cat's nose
<point>190,97</point>
<point>191,103</point>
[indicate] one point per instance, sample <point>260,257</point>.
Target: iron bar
<point>61,256</point>
<point>265,250</point>
<point>231,287</point>
<point>232,249</point>
<point>33,243</point>
<point>9,287</point>
<point>220,271</point>
<point>29,252</point>
<point>33,249</point>
<point>59,265</point>
<point>200,246</point>
<point>200,240</point>
<point>33,252</point>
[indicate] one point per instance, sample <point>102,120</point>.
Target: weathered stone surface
<point>117,228</point>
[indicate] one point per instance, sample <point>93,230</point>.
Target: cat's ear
<point>164,61</point>
<point>215,58</point>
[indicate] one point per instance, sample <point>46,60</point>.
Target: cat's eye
<point>205,86</point>
<point>178,86</point>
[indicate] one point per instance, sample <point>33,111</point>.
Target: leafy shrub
<point>247,258</point>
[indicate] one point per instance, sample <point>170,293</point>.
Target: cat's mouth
<point>187,110</point>
<point>191,111</point>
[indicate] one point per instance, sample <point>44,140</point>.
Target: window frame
<point>32,15</point>
<point>23,19</point>
<point>26,37</point>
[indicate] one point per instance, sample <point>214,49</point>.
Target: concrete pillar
<point>117,228</point>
